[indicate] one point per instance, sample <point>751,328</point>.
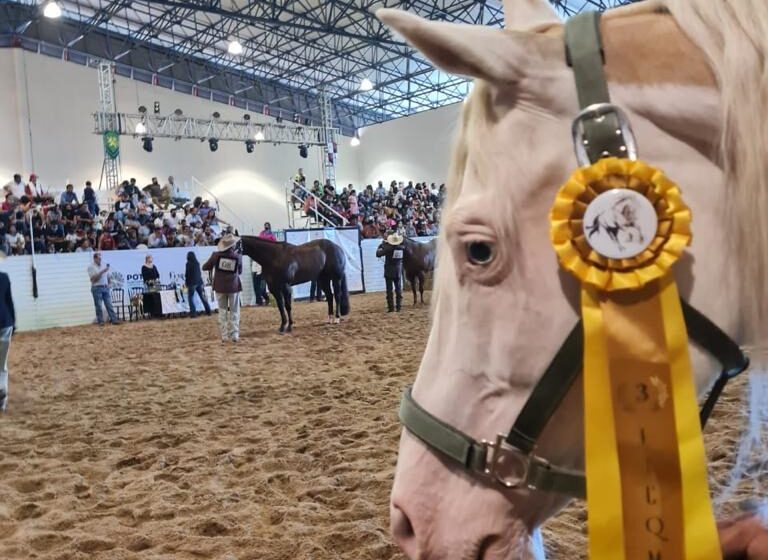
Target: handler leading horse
<point>285,265</point>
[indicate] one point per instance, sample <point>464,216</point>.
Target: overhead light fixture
<point>235,47</point>
<point>259,136</point>
<point>141,128</point>
<point>52,10</point>
<point>142,109</point>
<point>249,144</point>
<point>303,150</point>
<point>246,117</point>
<point>146,143</point>
<point>213,144</point>
<point>366,85</point>
<point>178,112</point>
<point>355,140</point>
<point>216,114</point>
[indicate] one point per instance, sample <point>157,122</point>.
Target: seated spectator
<point>106,241</point>
<point>89,198</point>
<point>84,217</point>
<point>194,219</point>
<point>15,187</point>
<point>122,206</point>
<point>132,237</point>
<point>85,247</point>
<point>149,272</point>
<point>14,241</point>
<point>55,238</point>
<point>69,196</point>
<point>157,240</point>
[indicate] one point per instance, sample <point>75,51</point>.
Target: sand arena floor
<point>154,441</point>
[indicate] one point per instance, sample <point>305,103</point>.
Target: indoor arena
<point>383,280</point>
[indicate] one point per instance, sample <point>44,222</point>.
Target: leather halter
<point>510,460</point>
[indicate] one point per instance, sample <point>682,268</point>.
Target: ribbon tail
<point>604,496</point>
<point>701,537</point>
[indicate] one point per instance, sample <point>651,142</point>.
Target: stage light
<point>303,151</point>
<point>178,112</point>
<point>246,117</point>
<point>52,10</point>
<point>142,109</point>
<point>355,140</point>
<point>140,128</point>
<point>235,47</point>
<point>213,144</point>
<point>366,85</point>
<point>249,146</point>
<point>146,143</point>
<point>259,136</point>
<point>216,114</point>
<point>156,107</point>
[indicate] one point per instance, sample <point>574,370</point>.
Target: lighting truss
<point>190,128</point>
<point>293,49</point>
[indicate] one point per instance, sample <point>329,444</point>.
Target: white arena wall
<point>416,148</point>
<point>45,113</point>
<point>64,288</point>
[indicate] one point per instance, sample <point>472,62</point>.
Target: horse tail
<point>344,296</point>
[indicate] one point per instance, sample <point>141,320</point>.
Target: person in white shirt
<point>157,240</point>
<point>193,219</point>
<point>99,276</point>
<point>16,186</point>
<point>15,241</point>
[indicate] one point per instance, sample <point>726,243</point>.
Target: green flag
<point>111,144</point>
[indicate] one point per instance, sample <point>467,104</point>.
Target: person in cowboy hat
<point>393,250</point>
<point>227,264</point>
<point>7,328</point>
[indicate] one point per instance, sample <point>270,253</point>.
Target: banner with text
<point>346,238</point>
<point>125,266</point>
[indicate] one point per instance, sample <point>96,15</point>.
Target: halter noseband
<point>510,460</point>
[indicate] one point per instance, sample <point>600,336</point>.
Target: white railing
<point>321,209</point>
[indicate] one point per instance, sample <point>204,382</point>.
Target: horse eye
<point>479,252</point>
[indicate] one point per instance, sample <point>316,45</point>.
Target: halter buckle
<point>598,112</point>
<point>505,465</point>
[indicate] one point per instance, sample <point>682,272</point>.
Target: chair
<point>118,302</point>
<point>136,304</point>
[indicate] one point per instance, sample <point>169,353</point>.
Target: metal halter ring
<point>598,112</point>
<point>503,464</point>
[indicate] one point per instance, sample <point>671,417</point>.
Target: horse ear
<point>468,50</point>
<point>529,14</point>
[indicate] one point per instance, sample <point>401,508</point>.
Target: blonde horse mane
<point>734,38</point>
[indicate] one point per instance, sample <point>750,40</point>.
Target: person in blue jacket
<point>7,326</point>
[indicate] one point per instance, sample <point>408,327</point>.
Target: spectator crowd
<point>151,217</point>
<point>408,209</point>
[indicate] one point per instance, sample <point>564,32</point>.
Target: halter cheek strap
<point>510,460</point>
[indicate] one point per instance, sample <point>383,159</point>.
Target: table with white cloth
<point>177,301</point>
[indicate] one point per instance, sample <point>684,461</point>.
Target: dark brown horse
<point>285,265</point>
<point>419,259</point>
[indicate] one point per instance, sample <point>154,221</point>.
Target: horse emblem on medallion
<point>620,223</point>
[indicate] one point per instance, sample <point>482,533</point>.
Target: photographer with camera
<point>99,276</point>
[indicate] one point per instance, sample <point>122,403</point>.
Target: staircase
<point>299,219</point>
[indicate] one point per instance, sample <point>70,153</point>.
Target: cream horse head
<point>691,75</point>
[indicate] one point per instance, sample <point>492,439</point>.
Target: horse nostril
<point>402,530</point>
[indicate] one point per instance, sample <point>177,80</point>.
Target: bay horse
<point>690,75</point>
<point>285,265</point>
<point>419,259</point>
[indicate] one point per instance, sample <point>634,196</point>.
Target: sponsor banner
<point>346,238</point>
<point>125,266</point>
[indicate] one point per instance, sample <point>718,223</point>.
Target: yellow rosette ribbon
<point>647,491</point>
